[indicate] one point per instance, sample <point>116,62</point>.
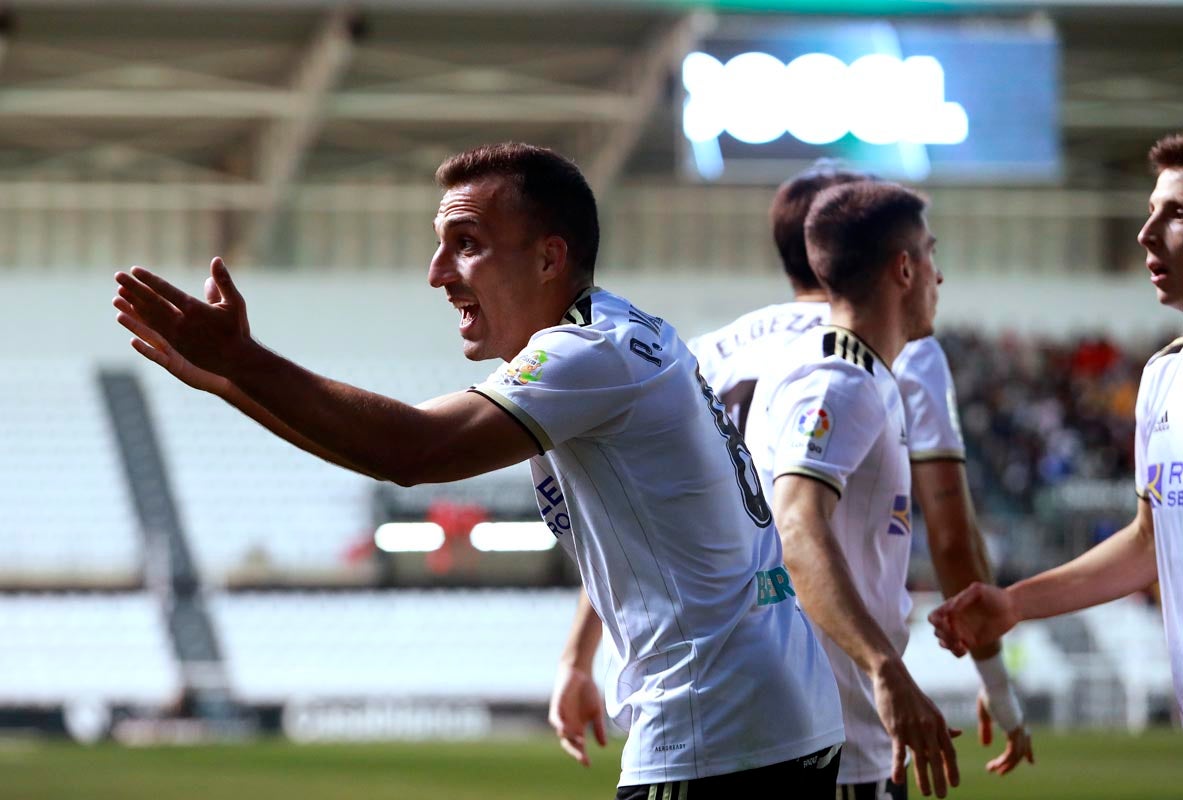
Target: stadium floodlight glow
<point>511,537</point>
<point>817,98</point>
<point>409,537</point>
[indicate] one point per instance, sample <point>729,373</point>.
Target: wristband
<point>999,694</point>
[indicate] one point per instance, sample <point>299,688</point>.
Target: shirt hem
<point>741,763</point>
<point>937,455</point>
<point>817,475</point>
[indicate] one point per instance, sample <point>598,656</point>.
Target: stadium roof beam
<point>646,79</point>
<point>281,147</point>
<point>590,106</point>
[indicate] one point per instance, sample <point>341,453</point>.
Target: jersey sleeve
<point>567,382</point>
<point>1143,481</point>
<point>824,423</point>
<point>930,402</point>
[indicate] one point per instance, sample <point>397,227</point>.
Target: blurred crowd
<point>1036,413</point>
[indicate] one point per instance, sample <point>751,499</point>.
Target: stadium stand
<point>490,645</point>
<point>67,514</point>
<point>107,648</point>
<point>251,505</point>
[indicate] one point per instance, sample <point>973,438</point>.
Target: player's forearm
<point>243,403</point>
<point>825,589</point>
<point>370,433</point>
<point>584,638</point>
<point>954,540</point>
<point>1121,564</point>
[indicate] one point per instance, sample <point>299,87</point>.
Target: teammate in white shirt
<point>1151,547</point>
<point>829,436</point>
<point>732,358</point>
<point>637,469</point>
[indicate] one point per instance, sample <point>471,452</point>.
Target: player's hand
<point>978,615</point>
<point>915,723</point>
<point>206,334</point>
<point>150,345</point>
<point>574,705</point>
<point>1018,741</point>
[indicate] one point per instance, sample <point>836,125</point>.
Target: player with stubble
<point>828,431</point>
<point>1150,547</point>
<point>639,472</point>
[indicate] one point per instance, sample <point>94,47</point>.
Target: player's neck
<point>810,296</point>
<point>876,326</point>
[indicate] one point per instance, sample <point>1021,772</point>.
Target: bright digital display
<point>904,100</point>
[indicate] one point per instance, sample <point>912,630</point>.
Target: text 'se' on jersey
<point>650,488</point>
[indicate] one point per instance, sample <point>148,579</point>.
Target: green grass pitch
<point>1079,766</point>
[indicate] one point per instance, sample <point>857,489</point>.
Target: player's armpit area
<point>462,435</point>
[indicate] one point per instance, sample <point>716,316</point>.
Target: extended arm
<point>453,437</point>
<point>959,559</point>
<point>803,508</point>
<point>1123,563</point>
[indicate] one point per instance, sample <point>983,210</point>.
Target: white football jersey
<point>1158,459</point>
<point>829,409</point>
<point>930,401</point>
<point>732,358</point>
<point>649,487</point>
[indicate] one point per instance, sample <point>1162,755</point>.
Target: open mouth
<point>468,314</point>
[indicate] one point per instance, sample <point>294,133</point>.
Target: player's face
<point>1162,236</point>
<point>483,262</point>
<point>922,306</point>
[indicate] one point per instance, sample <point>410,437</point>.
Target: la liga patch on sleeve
<point>812,428</point>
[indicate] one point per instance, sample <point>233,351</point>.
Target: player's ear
<point>903,269</point>
<point>553,262</point>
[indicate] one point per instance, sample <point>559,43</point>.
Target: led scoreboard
<point>954,102</point>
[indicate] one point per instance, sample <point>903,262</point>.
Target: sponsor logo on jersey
<point>1163,424</point>
<point>525,368</point>
<point>1154,485</point>
<point>1164,484</point>
<point>774,585</point>
<point>901,516</point>
<point>813,428</point>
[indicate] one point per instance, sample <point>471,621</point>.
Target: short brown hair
<point>551,189</point>
<point>1167,153</point>
<point>853,230</point>
<point>787,213</point>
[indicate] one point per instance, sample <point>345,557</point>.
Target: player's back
<point>732,357</point>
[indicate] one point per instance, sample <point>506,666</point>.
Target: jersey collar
<point>849,346</point>
<point>580,311</point>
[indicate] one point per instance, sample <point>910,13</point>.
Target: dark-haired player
<point>637,469</point>
<point>1151,547</point>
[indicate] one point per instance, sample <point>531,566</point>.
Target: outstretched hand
<point>575,704</point>
<point>1018,741</point>
<point>980,614</point>
<point>190,338</point>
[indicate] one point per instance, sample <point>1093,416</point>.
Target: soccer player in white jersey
<point>1151,547</point>
<point>732,358</point>
<point>829,436</point>
<point>637,469</point>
